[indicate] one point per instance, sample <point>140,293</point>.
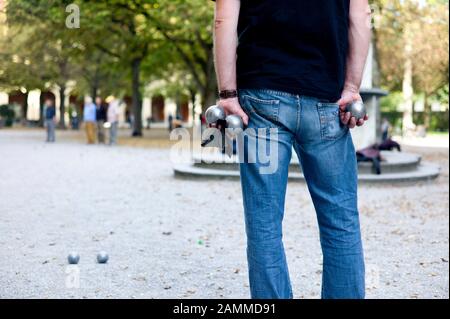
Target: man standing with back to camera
<point>297,64</point>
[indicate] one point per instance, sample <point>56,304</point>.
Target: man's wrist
<point>351,87</point>
<point>228,94</point>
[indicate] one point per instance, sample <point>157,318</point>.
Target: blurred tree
<point>162,39</point>
<point>18,68</point>
<point>122,45</point>
<point>412,42</point>
<point>430,54</point>
<point>119,40</point>
<point>37,35</point>
<point>18,73</point>
<point>122,33</point>
<point>191,21</point>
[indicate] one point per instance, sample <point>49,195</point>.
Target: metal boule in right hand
<point>357,109</point>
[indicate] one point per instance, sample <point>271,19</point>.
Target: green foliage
<point>439,121</point>
<point>442,95</point>
<point>37,54</point>
<point>423,25</point>
<point>170,37</point>
<point>395,118</point>
<point>391,102</point>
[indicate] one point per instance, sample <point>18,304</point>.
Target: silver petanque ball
<point>358,109</point>
<point>214,113</point>
<point>234,122</point>
<point>73,258</point>
<point>102,257</point>
<point>234,125</point>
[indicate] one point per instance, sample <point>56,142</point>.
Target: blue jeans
<point>113,133</point>
<point>50,125</point>
<point>327,156</point>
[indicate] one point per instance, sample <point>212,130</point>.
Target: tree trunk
<point>41,110</point>
<point>62,106</point>
<point>94,90</point>
<point>193,94</point>
<point>95,85</point>
<point>209,93</point>
<point>209,98</point>
<point>136,96</point>
<point>178,105</point>
<point>25,108</point>
<point>376,74</point>
<point>426,112</point>
<point>408,91</point>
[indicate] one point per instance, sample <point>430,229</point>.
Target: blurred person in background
<point>101,119</point>
<point>149,122</point>
<point>385,127</point>
<point>113,119</point>
<point>50,119</point>
<point>90,119</point>
<point>170,119</point>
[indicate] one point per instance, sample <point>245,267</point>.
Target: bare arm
<point>225,44</point>
<point>359,40</point>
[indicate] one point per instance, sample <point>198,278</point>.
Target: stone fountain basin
<point>393,162</point>
<point>396,167</point>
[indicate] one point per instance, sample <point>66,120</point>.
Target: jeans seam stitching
<point>298,129</point>
<point>258,100</point>
<point>276,112</point>
<point>275,92</point>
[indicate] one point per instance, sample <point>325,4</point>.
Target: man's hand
<point>232,106</point>
<point>349,96</point>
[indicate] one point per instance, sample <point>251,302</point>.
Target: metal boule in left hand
<point>234,122</point>
<point>234,125</point>
<point>357,109</point>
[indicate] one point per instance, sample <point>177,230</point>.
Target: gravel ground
<point>170,238</point>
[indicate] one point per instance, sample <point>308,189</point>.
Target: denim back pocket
<point>267,109</point>
<point>330,123</point>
